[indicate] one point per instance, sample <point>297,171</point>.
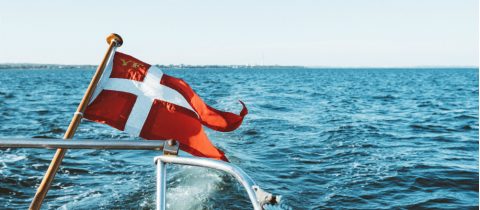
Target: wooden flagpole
<point>114,40</point>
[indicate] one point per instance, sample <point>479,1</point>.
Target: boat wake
<point>191,187</point>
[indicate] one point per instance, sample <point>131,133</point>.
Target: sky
<point>319,33</point>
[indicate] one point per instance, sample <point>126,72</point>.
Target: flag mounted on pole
<point>114,41</point>
<point>140,99</point>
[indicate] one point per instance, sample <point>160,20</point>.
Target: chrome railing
<point>257,196</point>
<point>82,144</point>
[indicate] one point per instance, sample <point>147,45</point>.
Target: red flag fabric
<point>140,99</point>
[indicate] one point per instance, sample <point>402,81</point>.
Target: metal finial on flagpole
<point>113,40</point>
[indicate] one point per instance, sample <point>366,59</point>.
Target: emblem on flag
<point>140,99</point>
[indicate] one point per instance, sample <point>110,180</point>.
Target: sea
<point>321,138</point>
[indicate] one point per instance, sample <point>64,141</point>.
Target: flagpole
<point>114,40</point>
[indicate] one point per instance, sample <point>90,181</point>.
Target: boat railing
<point>42,143</point>
<point>257,196</point>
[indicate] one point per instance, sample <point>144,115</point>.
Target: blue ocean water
<point>321,138</point>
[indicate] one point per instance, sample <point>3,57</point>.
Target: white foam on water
<point>277,207</point>
<point>11,158</point>
<point>192,187</point>
<point>87,199</point>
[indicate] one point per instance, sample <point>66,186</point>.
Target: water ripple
<point>321,138</point>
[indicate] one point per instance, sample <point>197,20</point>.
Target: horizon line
<point>241,65</point>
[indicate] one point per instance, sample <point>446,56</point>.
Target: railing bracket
<point>170,147</point>
<point>264,197</point>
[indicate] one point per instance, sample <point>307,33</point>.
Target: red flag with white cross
<point>140,99</point>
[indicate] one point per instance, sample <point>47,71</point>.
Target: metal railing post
<point>161,184</point>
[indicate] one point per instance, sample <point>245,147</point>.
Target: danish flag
<point>140,99</point>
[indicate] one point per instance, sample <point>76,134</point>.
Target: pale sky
<point>334,33</point>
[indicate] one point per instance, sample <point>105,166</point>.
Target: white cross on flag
<point>138,98</point>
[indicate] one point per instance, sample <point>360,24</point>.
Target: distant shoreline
<point>60,66</point>
<point>181,66</point>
